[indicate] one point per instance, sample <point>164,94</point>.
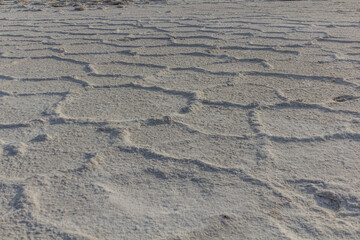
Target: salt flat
<point>183,119</point>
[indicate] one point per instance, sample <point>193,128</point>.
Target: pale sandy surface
<point>181,120</point>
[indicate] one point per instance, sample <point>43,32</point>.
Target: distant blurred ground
<point>77,4</point>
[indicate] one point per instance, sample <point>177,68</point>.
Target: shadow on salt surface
<point>351,104</point>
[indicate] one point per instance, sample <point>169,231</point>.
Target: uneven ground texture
<point>180,120</point>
